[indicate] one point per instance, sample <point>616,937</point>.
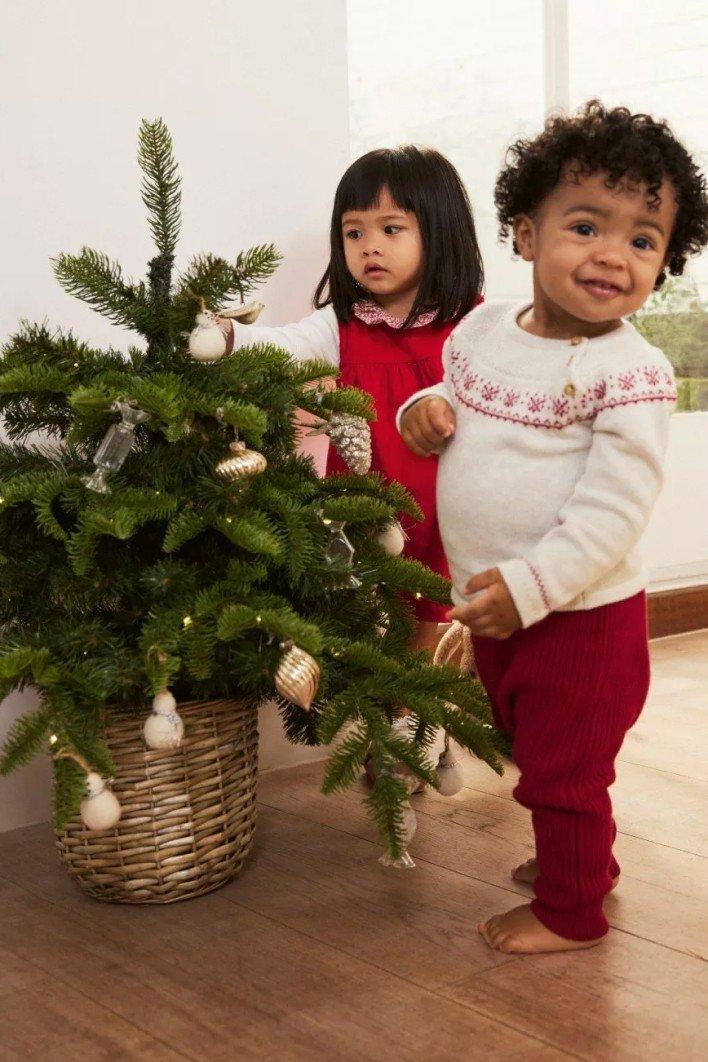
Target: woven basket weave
<point>188,815</point>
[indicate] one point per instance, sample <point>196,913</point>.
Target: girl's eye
<point>583,229</point>
<point>391,230</point>
<point>352,234</point>
<point>643,243</point>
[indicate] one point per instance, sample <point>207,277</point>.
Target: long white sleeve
<point>605,515</point>
<point>441,390</point>
<point>315,336</point>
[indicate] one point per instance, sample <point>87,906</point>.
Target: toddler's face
<point>597,251</point>
<point>383,248</point>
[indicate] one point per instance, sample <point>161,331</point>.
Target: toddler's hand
<point>492,613</point>
<point>427,424</point>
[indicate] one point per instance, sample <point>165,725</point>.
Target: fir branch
<point>69,789</point>
<point>92,277</point>
<point>161,184</point>
<point>25,739</point>
<point>346,762</point>
<point>253,532</point>
<point>385,803</point>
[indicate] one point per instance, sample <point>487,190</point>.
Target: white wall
<point>255,96</point>
<point>675,544</point>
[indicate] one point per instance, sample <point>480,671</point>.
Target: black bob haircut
<point>628,146</point>
<point>423,181</point>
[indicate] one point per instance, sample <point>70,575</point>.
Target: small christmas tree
<point>143,558</point>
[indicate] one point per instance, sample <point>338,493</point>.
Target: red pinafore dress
<point>392,364</point>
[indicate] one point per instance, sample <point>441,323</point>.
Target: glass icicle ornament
<point>339,552</point>
<point>351,437</point>
<point>115,446</point>
<point>100,809</point>
<point>298,676</point>
<point>163,728</point>
<point>409,824</point>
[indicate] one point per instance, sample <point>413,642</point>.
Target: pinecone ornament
<point>351,438</point>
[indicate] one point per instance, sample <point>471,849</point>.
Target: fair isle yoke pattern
<point>539,409</point>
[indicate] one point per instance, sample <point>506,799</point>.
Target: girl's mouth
<point>373,271</point>
<point>601,289</point>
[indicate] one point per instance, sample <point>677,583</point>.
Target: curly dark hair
<point>622,144</point>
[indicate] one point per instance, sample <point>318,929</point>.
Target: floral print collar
<point>371,313</point>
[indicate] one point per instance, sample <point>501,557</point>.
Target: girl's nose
<point>371,249</point>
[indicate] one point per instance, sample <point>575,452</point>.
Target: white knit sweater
<point>556,460</point>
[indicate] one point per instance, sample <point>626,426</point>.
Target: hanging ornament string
<point>116,445</point>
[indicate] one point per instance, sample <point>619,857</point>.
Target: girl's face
<point>383,250</point>
<point>597,251</point>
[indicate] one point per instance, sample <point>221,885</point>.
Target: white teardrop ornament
<point>393,539</point>
<point>450,776</point>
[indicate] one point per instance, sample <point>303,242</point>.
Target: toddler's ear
<point>523,237</point>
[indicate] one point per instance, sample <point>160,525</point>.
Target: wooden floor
<point>317,952</point>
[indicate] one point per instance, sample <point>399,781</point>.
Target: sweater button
<point>576,341</point>
<point>569,390</point>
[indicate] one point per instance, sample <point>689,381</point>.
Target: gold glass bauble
<point>240,462</point>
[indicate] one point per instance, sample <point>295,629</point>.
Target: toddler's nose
<point>609,256</point>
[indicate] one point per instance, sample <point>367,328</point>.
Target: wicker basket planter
<point>188,816</point>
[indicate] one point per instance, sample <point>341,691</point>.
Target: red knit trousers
<point>567,690</point>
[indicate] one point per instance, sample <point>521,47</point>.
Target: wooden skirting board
<point>678,611</point>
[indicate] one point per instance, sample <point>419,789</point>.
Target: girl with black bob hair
<point>404,268</point>
<point>424,182</point>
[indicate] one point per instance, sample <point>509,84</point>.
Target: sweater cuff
<point>528,590</point>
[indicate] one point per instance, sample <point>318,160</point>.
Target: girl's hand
<point>426,426</point>
<point>492,613</point>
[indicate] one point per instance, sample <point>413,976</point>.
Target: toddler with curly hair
<point>553,420</point>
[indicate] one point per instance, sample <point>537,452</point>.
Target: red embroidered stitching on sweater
<point>371,313</point>
<point>539,583</point>
<point>649,383</point>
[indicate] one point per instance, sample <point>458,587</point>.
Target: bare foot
<point>528,872</point>
<point>520,932</point>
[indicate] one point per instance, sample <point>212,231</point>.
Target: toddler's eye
<point>583,229</point>
<point>352,234</point>
<point>642,243</point>
<point>391,230</point>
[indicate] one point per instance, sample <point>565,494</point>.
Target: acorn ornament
<point>449,772</point>
<point>240,462</point>
<point>298,676</point>
<point>392,539</point>
<point>163,728</point>
<point>100,809</point>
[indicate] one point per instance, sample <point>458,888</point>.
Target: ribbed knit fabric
<point>567,690</point>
